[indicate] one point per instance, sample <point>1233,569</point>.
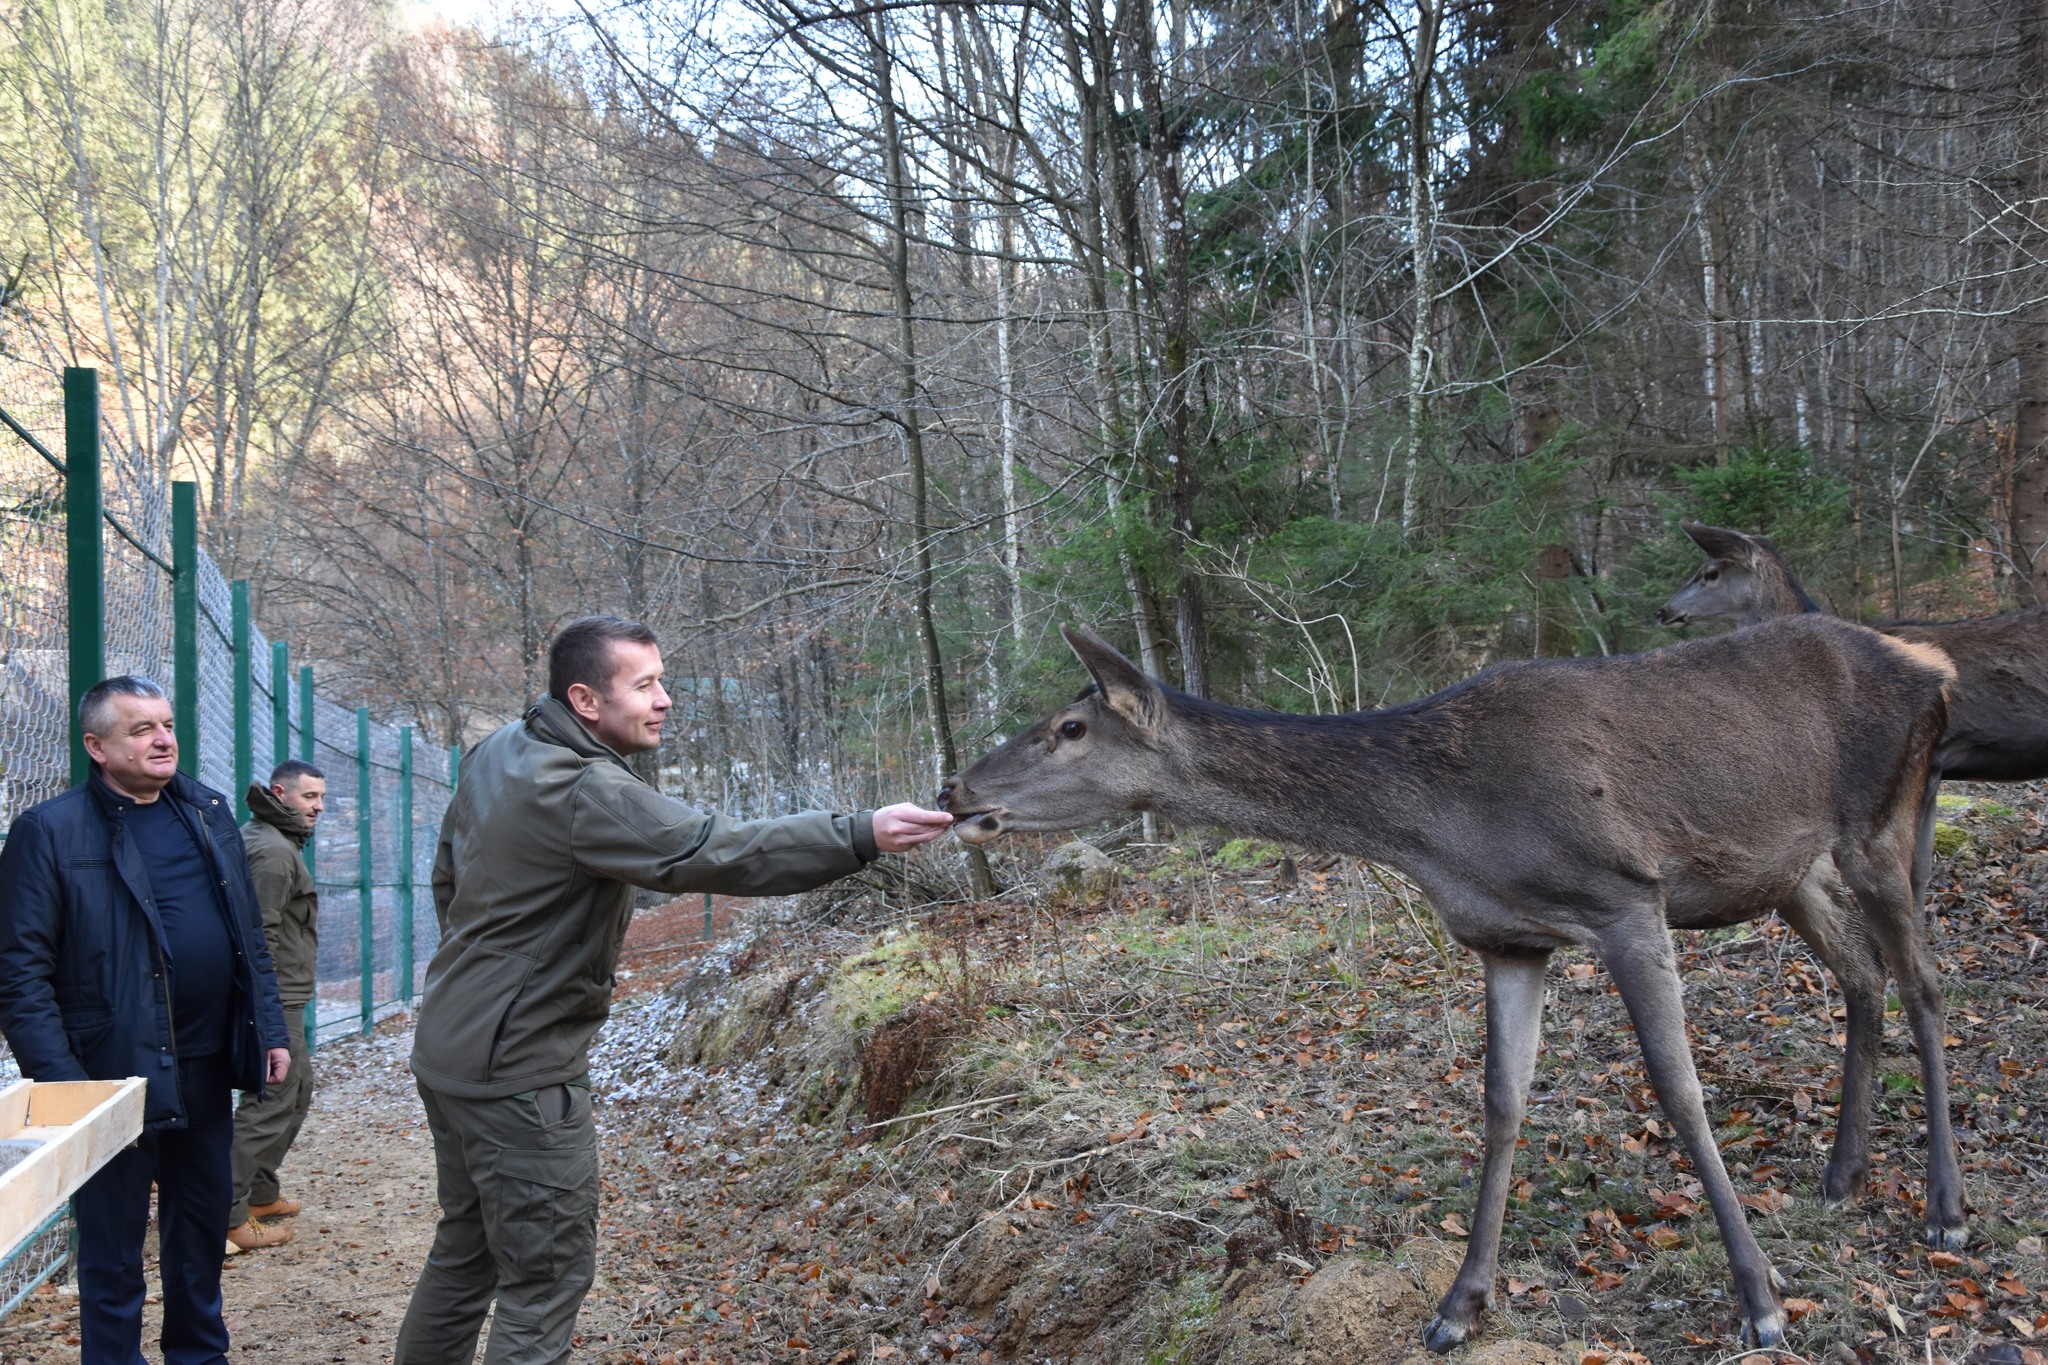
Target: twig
<point>1210,1228</point>
<point>1064,1160</point>
<point>944,1109</point>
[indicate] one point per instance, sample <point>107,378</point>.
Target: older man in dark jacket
<point>130,945</point>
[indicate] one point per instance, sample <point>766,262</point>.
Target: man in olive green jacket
<point>281,818</point>
<point>547,836</point>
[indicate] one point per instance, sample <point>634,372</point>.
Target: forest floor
<point>1227,1114</point>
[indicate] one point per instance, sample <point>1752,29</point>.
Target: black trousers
<point>191,1169</point>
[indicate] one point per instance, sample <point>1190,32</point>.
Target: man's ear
<point>1122,683</point>
<point>588,698</point>
<point>1721,543</point>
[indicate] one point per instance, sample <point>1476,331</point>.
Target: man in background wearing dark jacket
<point>281,818</point>
<point>541,848</point>
<point>130,945</point>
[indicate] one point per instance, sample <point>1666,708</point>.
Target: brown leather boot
<point>279,1207</point>
<point>254,1236</point>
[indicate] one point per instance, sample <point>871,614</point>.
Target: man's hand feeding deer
<point>1591,802</point>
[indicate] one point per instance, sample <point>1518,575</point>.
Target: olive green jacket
<point>540,850</point>
<point>274,837</point>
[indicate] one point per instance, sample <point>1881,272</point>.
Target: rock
<point>1352,1311</point>
<point>1082,868</point>
<point>1345,1311</point>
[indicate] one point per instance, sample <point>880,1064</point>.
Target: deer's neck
<point>1349,784</point>
<point>1779,593</point>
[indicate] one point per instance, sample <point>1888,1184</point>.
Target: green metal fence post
<point>707,916</point>
<point>306,713</point>
<point>312,845</point>
<point>405,865</point>
<point>280,702</point>
<point>185,622</point>
<point>365,869</point>
<point>245,703</point>
<point>454,765</point>
<point>84,552</point>
<point>306,752</point>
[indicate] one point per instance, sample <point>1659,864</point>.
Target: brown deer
<point>1575,801</point>
<point>1998,708</point>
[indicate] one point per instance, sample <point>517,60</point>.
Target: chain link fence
<point>34,728</point>
<point>239,707</point>
<point>132,586</point>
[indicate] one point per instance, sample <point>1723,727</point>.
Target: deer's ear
<point>1124,685</point>
<point>1719,542</point>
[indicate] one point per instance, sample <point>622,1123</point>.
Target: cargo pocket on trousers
<point>547,1214</point>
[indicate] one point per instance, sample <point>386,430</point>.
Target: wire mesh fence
<point>239,707</point>
<point>34,725</point>
<point>37,1259</point>
<point>159,605</point>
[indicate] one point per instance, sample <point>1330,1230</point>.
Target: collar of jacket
<point>550,721</point>
<point>291,823</point>
<point>181,788</point>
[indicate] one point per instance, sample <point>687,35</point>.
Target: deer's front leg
<point>1514,1023</point>
<point>1638,955</point>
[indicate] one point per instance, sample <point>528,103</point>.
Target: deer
<point>1998,709</point>
<point>1596,803</point>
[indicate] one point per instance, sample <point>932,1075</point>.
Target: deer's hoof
<point>1765,1332</point>
<point>1953,1237</point>
<point>1440,1336</point>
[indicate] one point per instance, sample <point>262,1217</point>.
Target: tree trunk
<point>1713,291</point>
<point>2030,415</point>
<point>1100,162</point>
<point>1422,245</point>
<point>1006,367</point>
<point>910,421</point>
<point>1162,146</point>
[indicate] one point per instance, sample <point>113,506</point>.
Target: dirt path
<point>364,1169</point>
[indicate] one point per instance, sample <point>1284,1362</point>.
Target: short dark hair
<point>582,652</point>
<point>289,772</point>
<point>96,707</point>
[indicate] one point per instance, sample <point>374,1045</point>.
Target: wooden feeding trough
<point>53,1136</point>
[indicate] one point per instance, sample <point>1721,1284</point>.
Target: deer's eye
<point>1710,575</point>
<point>1073,729</point>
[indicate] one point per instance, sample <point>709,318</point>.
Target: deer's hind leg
<point>1823,912</point>
<point>1514,1025</point>
<point>1638,954</point>
<point>1891,907</point>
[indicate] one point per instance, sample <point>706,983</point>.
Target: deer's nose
<point>946,796</point>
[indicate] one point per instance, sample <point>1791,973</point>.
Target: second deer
<point>1998,709</point>
<point>1587,802</point>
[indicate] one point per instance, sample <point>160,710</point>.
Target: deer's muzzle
<point>978,827</point>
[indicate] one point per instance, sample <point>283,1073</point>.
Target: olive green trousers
<point>518,1189</point>
<point>265,1129</point>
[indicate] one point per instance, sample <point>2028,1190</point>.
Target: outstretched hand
<point>907,825</point>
